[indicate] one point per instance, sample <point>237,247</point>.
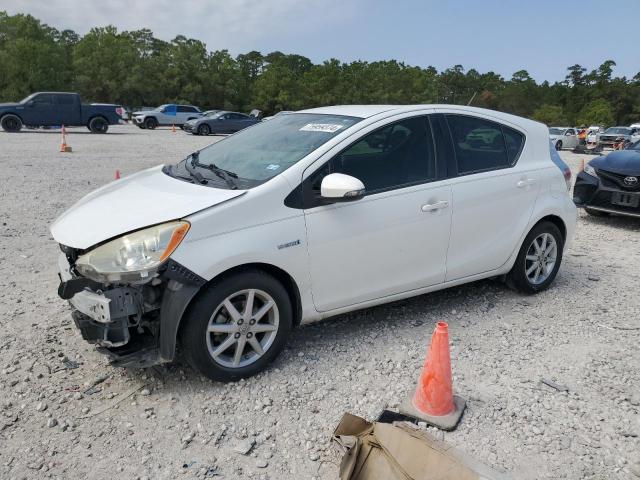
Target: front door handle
<point>432,207</point>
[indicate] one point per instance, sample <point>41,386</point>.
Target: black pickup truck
<point>44,109</point>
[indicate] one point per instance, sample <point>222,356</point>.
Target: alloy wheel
<point>541,258</point>
<point>242,328</point>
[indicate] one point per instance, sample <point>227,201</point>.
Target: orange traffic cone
<point>433,400</point>
<point>64,148</point>
<point>117,175</point>
<point>173,128</point>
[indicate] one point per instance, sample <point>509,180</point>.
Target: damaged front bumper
<point>135,325</point>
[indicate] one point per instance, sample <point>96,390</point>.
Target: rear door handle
<point>525,183</point>
<point>432,207</point>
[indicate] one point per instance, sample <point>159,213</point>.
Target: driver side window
<point>393,156</point>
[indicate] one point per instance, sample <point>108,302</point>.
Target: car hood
<point>554,137</point>
<point>137,201</point>
<point>624,162</point>
<point>7,105</point>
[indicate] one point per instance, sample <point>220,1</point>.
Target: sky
<point>543,37</point>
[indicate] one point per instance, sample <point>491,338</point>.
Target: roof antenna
<point>471,99</point>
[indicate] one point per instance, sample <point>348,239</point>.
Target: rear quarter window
<point>482,145</point>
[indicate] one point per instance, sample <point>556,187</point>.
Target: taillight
<point>120,111</point>
<point>567,177</point>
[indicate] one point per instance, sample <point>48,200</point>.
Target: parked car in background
<point>611,184</point>
<point>46,109</point>
<point>592,133</point>
<point>220,122</point>
<point>613,136</point>
<point>306,216</point>
<point>166,115</point>
<point>283,112</point>
<point>563,137</point>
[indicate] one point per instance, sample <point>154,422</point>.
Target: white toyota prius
<point>309,215</point>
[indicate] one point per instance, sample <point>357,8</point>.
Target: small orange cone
<point>117,175</point>
<point>173,128</point>
<point>433,400</point>
<point>64,148</point>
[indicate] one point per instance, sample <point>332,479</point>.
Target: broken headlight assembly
<point>134,257</point>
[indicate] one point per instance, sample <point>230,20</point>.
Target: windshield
<point>265,150</point>
<point>634,146</point>
<point>556,131</point>
<point>618,130</point>
<point>26,99</point>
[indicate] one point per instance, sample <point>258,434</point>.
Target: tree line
<point>134,69</point>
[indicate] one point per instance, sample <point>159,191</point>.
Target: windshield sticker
<point>321,127</point>
<point>273,167</point>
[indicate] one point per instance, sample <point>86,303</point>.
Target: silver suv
<point>169,114</point>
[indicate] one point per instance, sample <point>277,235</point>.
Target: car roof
<point>366,111</point>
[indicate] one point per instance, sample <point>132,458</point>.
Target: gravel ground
<point>64,413</point>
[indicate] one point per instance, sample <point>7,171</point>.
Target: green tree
<point>550,115</point>
<point>598,112</point>
<point>33,56</point>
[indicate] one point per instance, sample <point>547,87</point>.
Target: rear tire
<point>539,259</point>
<point>260,332</point>
<point>11,123</point>
<point>204,130</point>
<point>596,213</point>
<point>151,123</point>
<point>559,145</point>
<point>98,125</point>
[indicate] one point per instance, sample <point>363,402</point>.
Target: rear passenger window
<point>514,140</point>
<point>480,144</point>
<point>64,99</point>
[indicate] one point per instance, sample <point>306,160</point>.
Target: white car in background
<point>593,132</point>
<point>166,115</point>
<point>306,216</point>
<point>563,137</point>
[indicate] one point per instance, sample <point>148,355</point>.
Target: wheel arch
<point>11,112</point>
<point>278,273</point>
<point>180,300</point>
<point>557,221</point>
<point>97,115</point>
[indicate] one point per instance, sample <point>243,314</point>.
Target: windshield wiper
<point>225,175</point>
<point>194,175</point>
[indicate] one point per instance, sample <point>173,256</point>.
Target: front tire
<point>559,145</point>
<point>204,130</point>
<point>237,326</point>
<point>150,123</point>
<point>98,125</point>
<point>11,123</point>
<point>539,259</point>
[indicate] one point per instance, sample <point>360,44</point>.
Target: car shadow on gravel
<point>314,340</point>
<point>617,221</point>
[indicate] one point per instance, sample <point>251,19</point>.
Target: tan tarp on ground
<point>399,451</point>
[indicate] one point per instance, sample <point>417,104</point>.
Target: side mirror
<point>337,187</point>
<point>568,134</point>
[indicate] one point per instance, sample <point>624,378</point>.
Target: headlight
<point>588,169</point>
<point>134,257</point>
